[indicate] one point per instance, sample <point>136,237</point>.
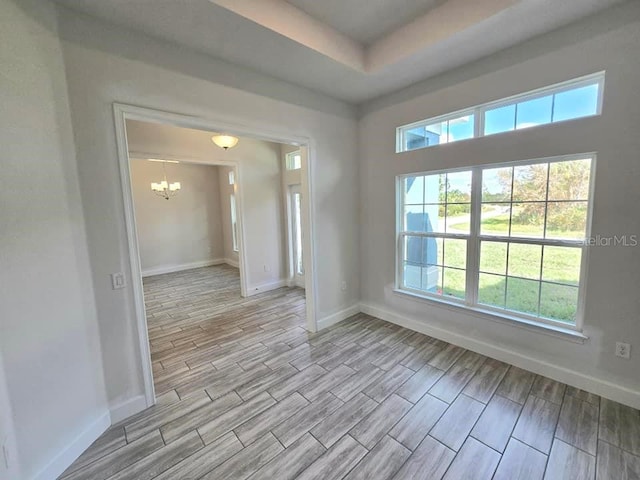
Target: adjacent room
<point>202,201</point>
<point>291,239</point>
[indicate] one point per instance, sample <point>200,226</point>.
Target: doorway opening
<point>183,333</point>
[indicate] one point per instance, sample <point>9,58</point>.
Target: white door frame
<point>122,113</point>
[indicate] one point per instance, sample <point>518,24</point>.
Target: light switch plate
<point>623,350</point>
<point>118,281</point>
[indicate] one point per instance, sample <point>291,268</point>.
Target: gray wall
<point>608,42</point>
<point>48,323</point>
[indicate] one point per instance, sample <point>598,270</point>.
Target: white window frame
<point>473,246</point>
<point>479,111</point>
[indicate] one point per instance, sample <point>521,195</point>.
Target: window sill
<point>545,329</point>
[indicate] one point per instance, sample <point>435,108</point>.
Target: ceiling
<point>365,20</point>
<point>353,50</point>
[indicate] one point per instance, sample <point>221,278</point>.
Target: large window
<point>507,238</point>
<point>576,98</point>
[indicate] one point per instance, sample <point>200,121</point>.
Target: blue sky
<point>574,103</point>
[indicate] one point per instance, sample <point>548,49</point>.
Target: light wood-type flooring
<point>245,392</point>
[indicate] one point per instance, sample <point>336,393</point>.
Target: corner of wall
<point>75,448</point>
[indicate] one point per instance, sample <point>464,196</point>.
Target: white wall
<point>184,231</point>
<point>105,65</point>
<point>610,42</point>
<point>259,190</point>
<point>48,323</point>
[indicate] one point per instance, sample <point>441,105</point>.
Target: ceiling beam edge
<point>293,23</point>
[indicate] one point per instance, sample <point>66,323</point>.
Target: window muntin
<point>525,256</point>
<point>570,100</point>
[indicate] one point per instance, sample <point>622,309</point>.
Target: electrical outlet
<point>117,280</point>
<point>623,350</point>
<point>343,286</point>
<point>266,268</point>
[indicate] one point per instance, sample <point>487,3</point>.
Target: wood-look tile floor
<point>245,392</point>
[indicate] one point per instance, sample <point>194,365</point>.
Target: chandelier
<point>165,189</point>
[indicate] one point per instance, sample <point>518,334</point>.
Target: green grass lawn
<point>516,284</point>
<point>499,225</point>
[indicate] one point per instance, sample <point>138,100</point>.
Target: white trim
<point>231,262</point>
<point>266,287</point>
<point>595,385</point>
<point>124,410</point>
<point>135,272</point>
<point>497,315</point>
<point>122,112</point>
<point>338,316</point>
<point>70,454</point>
<point>308,227</point>
<point>162,269</point>
<point>238,191</point>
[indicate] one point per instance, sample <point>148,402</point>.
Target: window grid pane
<point>532,113</point>
<point>424,269</point>
<point>501,119</point>
<point>532,266</point>
<point>534,269</point>
<point>434,205</point>
<point>576,103</point>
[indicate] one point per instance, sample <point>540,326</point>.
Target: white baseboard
<point>338,316</point>
<point>265,287</point>
<point>127,408</point>
<point>231,262</point>
<point>162,269</point>
<point>591,384</point>
<point>66,457</point>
